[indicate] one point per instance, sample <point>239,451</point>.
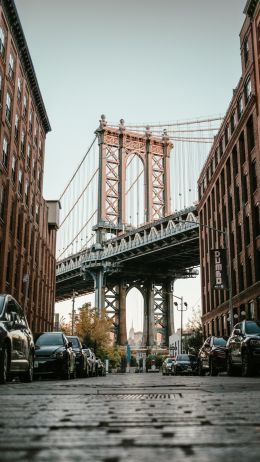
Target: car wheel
<point>230,368</point>
<point>28,375</point>
<point>247,368</point>
<point>212,369</point>
<point>66,374</point>
<point>201,372</point>
<point>3,364</point>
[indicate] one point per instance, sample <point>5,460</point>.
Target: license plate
<point>36,363</point>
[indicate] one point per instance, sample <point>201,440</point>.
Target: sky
<point>144,61</point>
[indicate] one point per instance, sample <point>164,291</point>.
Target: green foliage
<point>193,342</point>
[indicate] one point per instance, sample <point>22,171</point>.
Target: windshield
<point>2,300</point>
<point>74,341</point>
<point>168,360</point>
<point>219,341</point>
<point>183,358</point>
<point>252,327</point>
<point>48,339</point>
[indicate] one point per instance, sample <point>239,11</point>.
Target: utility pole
<point>181,309</point>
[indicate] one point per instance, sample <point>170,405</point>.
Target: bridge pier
<point>122,334</point>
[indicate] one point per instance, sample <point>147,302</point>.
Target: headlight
<point>58,355</point>
<point>255,342</point>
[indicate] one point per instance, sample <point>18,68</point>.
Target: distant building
<point>135,338</point>
<point>229,193</point>
<point>28,224</point>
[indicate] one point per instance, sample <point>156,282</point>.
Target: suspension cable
<point>77,169</point>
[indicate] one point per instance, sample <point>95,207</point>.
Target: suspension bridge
<point>129,219</point>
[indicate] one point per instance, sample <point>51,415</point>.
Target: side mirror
<point>70,344</point>
<point>84,346</point>
<point>237,332</point>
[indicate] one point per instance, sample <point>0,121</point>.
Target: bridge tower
<point>115,147</point>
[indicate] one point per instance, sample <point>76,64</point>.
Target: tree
<point>93,330</point>
<point>194,341</point>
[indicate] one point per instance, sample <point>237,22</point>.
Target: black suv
<point>16,342</point>
<point>243,348</point>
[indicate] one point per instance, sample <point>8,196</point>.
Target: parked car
<point>243,348</point>
<point>91,357</point>
<point>100,367</point>
<point>54,355</point>
<point>16,341</point>
<point>82,366</point>
<point>212,356</point>
<point>184,364</point>
<point>167,366</point>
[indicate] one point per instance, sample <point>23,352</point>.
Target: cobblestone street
<point>134,417</point>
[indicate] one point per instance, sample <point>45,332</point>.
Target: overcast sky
<point>145,61</point>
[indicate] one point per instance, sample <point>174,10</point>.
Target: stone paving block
<point>135,417</point>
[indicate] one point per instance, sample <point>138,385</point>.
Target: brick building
<point>27,223</point>
<point>229,193</point>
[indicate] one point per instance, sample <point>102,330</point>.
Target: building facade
<point>27,223</point>
<point>229,194</point>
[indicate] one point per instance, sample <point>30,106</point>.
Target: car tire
<point>28,375</point>
<point>201,372</point>
<point>230,368</point>
<point>4,364</point>
<point>247,368</point>
<point>212,369</point>
<point>66,374</point>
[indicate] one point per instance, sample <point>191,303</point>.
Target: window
<point>19,89</point>
<point>37,213</point>
<point>234,161</point>
<point>26,192</point>
<point>35,135</point>
<point>240,107</point>
<point>39,180</point>
<point>12,215</point>
<point>226,135</point>
<point>250,134</point>
<point>20,181</point>
<point>34,168</point>
<point>256,220</point>
<point>23,142</point>
<point>221,147</point>
<point>242,151</point>
<point>8,107</point>
<point>28,163</point>
<point>248,89</point>
<point>30,122</point>
<point>11,67</point>
<point>24,105</point>
<point>232,122</point>
<point>246,51</point>
<point>14,168</point>
<point>254,176</point>
<point>247,230</point>
<point>244,189</point>
<point>16,126</point>
<point>2,202</point>
<point>5,152</point>
<point>1,82</point>
<point>40,147</point>
<point>237,199</point>
<point>2,42</point>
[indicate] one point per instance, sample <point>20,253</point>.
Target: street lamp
<point>181,309</point>
<point>74,293</point>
